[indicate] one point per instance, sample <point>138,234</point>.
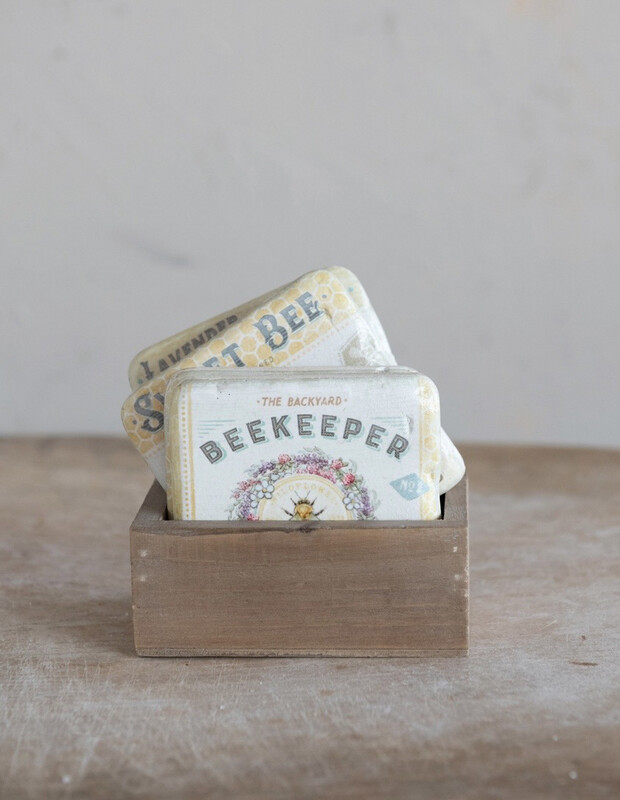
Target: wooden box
<point>300,588</point>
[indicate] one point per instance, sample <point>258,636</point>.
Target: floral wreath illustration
<point>262,477</point>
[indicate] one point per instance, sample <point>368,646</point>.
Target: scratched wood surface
<point>533,712</point>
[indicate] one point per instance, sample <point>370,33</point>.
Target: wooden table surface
<point>533,712</point>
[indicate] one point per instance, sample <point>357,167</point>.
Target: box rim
<point>151,518</point>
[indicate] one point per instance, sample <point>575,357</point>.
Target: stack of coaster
<point>319,422</point>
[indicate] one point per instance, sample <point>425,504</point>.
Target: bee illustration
<point>303,509</point>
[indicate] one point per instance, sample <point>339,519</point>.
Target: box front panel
<point>363,592</point>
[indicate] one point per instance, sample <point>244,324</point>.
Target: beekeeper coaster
<point>302,444</point>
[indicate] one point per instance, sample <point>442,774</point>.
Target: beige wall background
<point>162,161</point>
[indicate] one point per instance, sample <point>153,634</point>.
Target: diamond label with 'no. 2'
<point>410,486</point>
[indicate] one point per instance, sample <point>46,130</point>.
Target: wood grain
<point>300,588</point>
<point>533,712</point>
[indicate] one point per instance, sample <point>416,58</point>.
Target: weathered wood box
<point>300,588</point>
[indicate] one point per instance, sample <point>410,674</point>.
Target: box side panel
<point>324,592</point>
<point>456,504</point>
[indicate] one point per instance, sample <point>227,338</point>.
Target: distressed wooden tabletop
<point>533,712</point>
